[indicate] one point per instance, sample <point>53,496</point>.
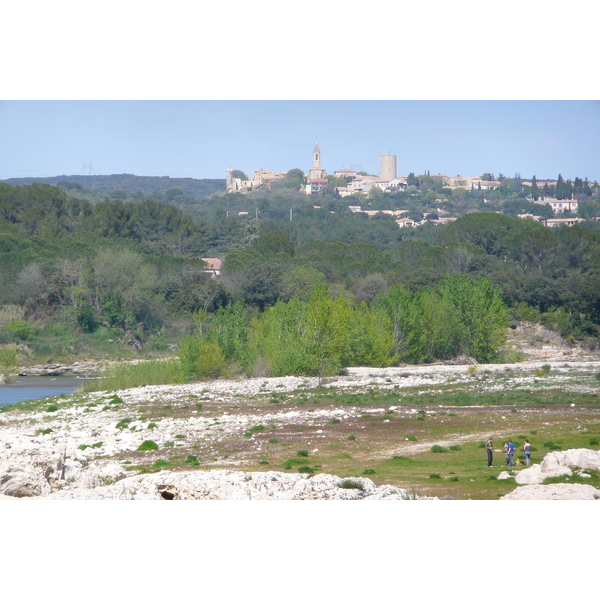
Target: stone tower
<point>388,167</point>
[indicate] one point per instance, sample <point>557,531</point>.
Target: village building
<point>345,173</point>
<point>213,266</point>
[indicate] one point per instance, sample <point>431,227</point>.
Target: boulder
<point>581,458</point>
<point>555,491</point>
<point>535,474</point>
<point>557,464</point>
<point>23,483</point>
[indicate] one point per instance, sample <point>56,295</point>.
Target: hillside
<point>198,188</point>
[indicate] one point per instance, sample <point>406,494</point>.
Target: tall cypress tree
<point>560,184</point>
<point>535,191</point>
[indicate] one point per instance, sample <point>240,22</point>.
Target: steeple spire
<point>317,156</point>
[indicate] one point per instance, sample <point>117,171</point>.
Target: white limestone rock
<point>536,474</point>
<point>23,483</point>
<point>234,485</point>
<point>557,464</point>
<point>555,491</point>
<point>580,457</point>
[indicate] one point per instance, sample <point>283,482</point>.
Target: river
<point>34,388</point>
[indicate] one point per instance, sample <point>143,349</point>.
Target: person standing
<point>511,452</point>
<point>489,446</point>
<point>505,452</point>
<point>527,449</point>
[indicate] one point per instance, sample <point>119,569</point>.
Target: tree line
<point>132,272</point>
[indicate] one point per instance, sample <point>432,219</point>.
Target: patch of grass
<point>116,400</point>
<point>152,426</point>
<point>351,484</point>
<point>257,429</point>
<point>147,372</point>
<point>294,462</point>
<point>351,437</point>
<point>124,424</point>
<point>303,453</point>
<point>435,476</point>
<point>455,448</point>
<point>551,446</point>
<point>159,464</point>
<point>369,472</point>
<point>44,431</point>
<point>273,441</point>
<point>411,438</point>
<point>52,408</point>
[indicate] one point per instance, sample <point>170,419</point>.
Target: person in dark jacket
<point>489,446</point>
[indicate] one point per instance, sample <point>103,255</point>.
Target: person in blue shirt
<point>511,453</point>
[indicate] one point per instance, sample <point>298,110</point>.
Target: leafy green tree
<point>300,283</point>
<point>294,179</point>
<point>230,330</point>
<point>275,243</point>
<point>370,338</point>
<point>482,315</point>
<point>304,337</point>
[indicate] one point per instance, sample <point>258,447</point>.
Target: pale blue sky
<point>200,139</point>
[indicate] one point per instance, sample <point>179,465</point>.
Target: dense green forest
<point>306,286</point>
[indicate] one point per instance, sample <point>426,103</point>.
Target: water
<point>34,388</point>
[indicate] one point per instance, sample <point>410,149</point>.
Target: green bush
<point>147,445</point>
<point>211,363</point>
<point>436,448</point>
<point>305,469</point>
<point>52,408</point>
<point>22,329</point>
<point>303,453</point>
<point>124,424</point>
<point>435,476</point>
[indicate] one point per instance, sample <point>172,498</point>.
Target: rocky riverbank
<point>87,448</point>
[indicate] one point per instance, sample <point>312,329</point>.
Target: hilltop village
<point>358,184</point>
